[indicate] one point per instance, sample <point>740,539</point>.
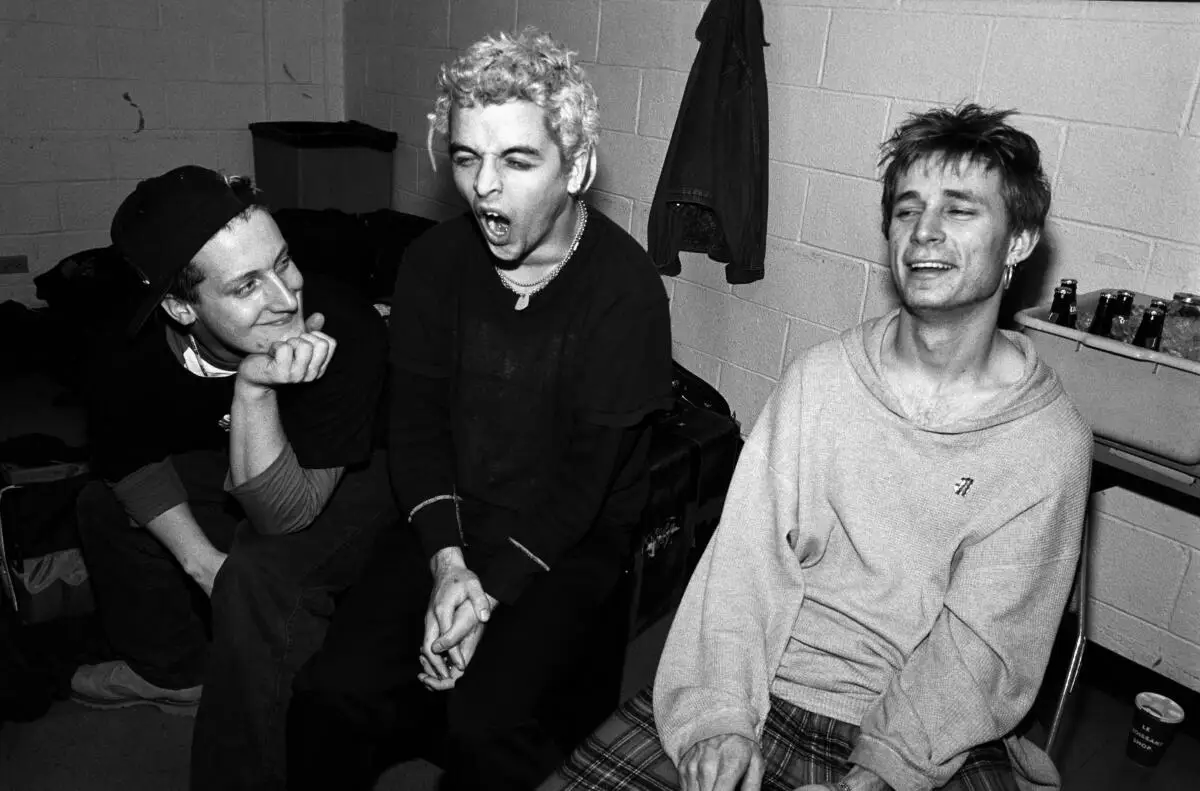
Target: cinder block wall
<point>1109,90</point>
<point>97,94</point>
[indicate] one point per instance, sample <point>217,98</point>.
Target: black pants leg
<point>272,602</point>
<point>154,615</point>
<point>344,699</point>
<point>359,700</point>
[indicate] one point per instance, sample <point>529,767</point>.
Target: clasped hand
<point>454,622</point>
<point>727,763</point>
<point>302,358</point>
<point>720,763</point>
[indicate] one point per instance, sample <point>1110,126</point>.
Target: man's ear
<point>1021,245</point>
<point>182,312</point>
<point>583,172</point>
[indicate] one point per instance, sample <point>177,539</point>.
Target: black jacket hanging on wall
<point>712,193</point>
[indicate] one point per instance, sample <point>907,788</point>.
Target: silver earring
<point>1008,275</point>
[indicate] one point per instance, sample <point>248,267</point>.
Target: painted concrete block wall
<point>100,93</point>
<point>1109,90</point>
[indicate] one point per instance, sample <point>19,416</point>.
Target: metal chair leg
<point>1081,589</point>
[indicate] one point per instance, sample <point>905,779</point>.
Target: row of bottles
<point>1114,315</point>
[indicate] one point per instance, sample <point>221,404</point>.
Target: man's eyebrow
<point>249,274</point>
<point>955,194</point>
<point>528,151</point>
<point>967,195</point>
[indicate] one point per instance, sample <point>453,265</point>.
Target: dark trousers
<point>155,617</point>
<point>358,706</point>
<point>270,608</point>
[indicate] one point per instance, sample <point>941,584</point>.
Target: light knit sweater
<point>902,577</point>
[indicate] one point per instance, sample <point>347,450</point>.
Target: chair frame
<point>1079,598</point>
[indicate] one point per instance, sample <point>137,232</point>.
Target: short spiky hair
<point>530,66</point>
<point>969,134</point>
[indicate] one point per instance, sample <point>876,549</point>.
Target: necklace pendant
<point>522,302</point>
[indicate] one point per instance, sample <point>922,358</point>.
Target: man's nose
<point>487,179</point>
<point>283,293</point>
<point>929,227</point>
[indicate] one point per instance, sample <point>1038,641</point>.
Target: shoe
<point>114,685</point>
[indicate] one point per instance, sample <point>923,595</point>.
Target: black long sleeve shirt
<point>534,420</point>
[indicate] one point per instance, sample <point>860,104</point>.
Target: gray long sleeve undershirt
<point>285,497</point>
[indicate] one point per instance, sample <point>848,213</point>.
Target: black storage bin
<point>343,165</point>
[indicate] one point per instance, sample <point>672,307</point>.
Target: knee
<point>98,511</point>
<point>248,577</point>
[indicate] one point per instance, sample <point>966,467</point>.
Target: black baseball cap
<point>165,221</point>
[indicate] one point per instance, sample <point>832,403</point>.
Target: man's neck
<point>552,251</point>
<point>194,341</point>
<point>945,347</point>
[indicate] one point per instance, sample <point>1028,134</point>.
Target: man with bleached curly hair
<point>530,341</point>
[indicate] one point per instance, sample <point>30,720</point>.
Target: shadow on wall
<point>1032,284</point>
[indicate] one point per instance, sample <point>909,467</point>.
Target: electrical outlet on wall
<point>14,264</point>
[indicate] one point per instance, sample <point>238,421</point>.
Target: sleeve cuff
<point>150,491</point>
<point>706,726</point>
<point>437,527</point>
<point>510,572</point>
<point>873,754</point>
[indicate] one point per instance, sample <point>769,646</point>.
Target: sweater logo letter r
<point>964,483</point>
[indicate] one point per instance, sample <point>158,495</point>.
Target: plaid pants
<point>798,747</point>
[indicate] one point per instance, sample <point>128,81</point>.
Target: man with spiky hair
<point>877,606</point>
<point>530,342</point>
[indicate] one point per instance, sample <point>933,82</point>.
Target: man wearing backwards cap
<point>231,428</point>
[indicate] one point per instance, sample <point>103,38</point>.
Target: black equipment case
<point>693,451</point>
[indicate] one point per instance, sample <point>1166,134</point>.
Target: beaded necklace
<point>526,290</point>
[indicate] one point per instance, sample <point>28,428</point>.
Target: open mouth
<point>929,266</point>
<point>496,226</point>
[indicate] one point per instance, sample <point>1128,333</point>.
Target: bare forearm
<point>256,435</point>
<point>181,534</point>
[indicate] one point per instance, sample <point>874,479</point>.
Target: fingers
<point>464,621</point>
<point>432,681</point>
<point>720,762</point>
<point>323,347</point>
<point>302,358</point>
<point>688,770</point>
<point>443,607</point>
<point>430,657</point>
<point>479,600</point>
<point>469,644</point>
<point>314,322</point>
<point>295,368</point>
<point>754,772</point>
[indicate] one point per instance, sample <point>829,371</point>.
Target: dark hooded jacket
<point>712,192</point>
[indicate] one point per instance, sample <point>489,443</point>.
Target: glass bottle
<point>1062,309</point>
<point>1149,332</point>
<point>1106,309</point>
